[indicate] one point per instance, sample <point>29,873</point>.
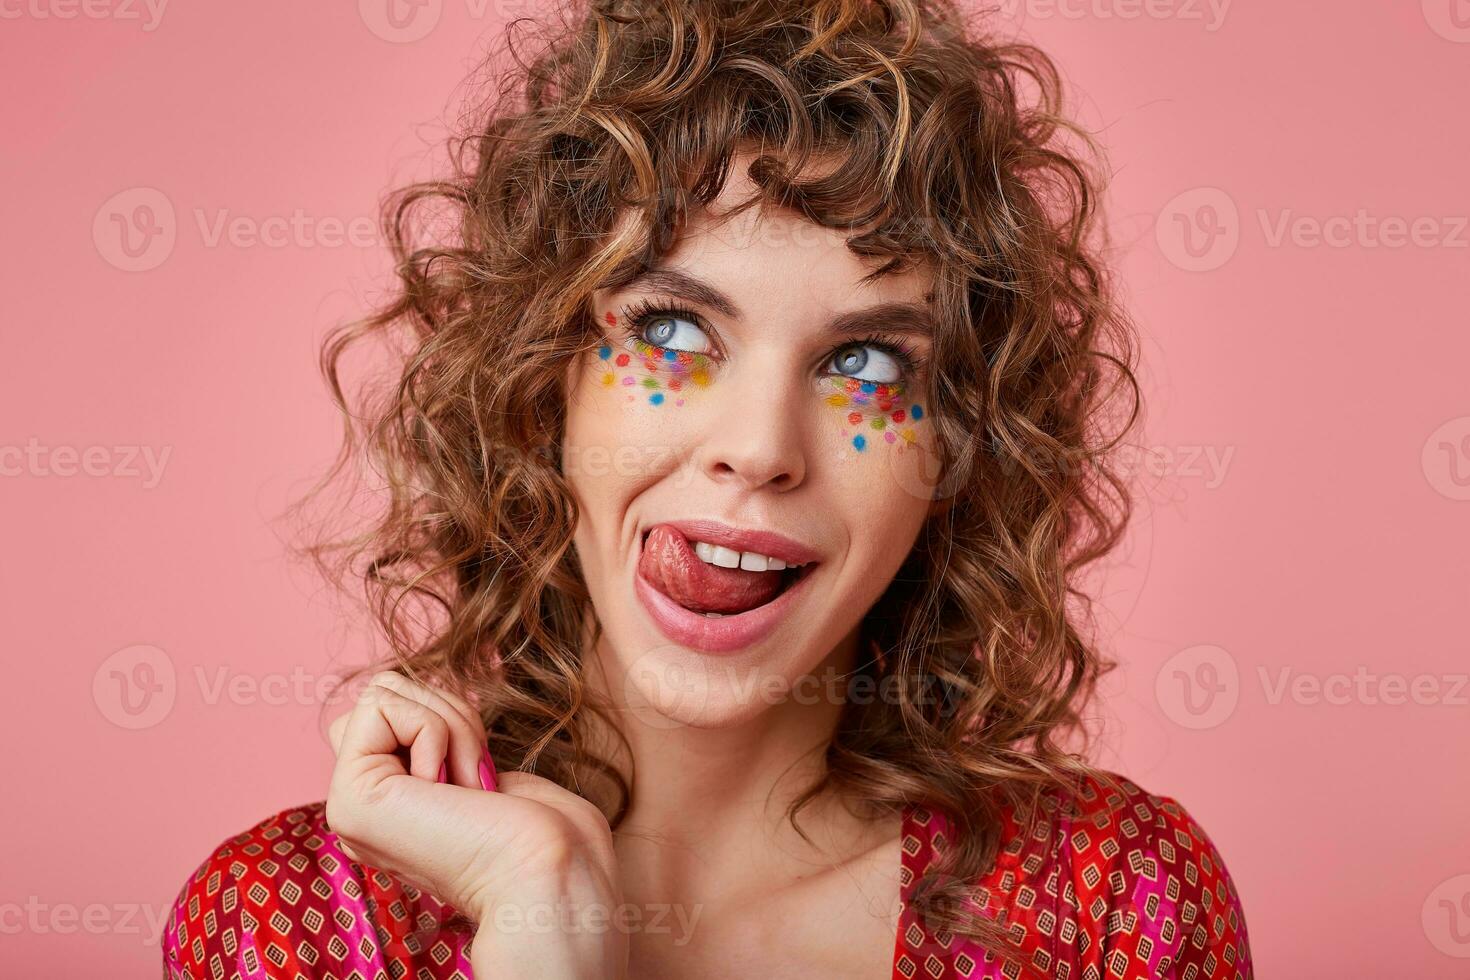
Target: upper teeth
<point>751,561</point>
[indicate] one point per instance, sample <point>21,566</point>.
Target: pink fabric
<point>1127,885</point>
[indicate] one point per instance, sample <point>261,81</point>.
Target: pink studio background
<point>1306,510</point>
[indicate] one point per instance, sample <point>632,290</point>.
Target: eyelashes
<point>635,318</point>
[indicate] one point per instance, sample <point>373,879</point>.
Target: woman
<point>749,442</point>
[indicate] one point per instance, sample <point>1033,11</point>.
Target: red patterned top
<point>1125,885</point>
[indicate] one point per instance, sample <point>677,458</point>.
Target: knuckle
<point>555,843</point>
<point>341,817</point>
<point>386,677</point>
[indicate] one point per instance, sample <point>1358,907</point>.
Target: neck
<point>710,803</point>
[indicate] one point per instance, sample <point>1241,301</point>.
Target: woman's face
<point>751,400</point>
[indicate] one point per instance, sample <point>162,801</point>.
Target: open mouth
<point>707,594</point>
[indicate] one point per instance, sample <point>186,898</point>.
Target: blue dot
<point>604,352</point>
<point>869,387</point>
<point>859,443</point>
<point>917,412</point>
<point>671,355</point>
<point>657,398</point>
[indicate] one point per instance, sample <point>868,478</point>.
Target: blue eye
<point>674,333</point>
<point>867,362</point>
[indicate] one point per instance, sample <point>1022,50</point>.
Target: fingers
<point>335,730</point>
<point>383,722</point>
<point>466,730</point>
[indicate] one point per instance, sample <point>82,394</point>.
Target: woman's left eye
<point>867,362</point>
<point>674,333</point>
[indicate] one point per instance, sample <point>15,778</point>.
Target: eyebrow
<point>892,317</point>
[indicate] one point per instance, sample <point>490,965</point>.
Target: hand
<point>532,863</point>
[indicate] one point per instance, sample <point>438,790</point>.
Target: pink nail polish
<point>487,772</point>
<point>444,771</point>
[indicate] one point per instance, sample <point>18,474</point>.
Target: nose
<point>757,437</point>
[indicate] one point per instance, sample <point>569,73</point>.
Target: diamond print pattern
<point>1125,886</point>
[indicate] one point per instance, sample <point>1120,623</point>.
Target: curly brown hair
<point>952,147</point>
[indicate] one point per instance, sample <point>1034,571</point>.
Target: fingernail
<point>444,771</point>
<point>487,771</point>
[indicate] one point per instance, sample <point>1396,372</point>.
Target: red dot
<point>675,384</point>
<point>897,416</point>
<point>853,418</point>
<point>622,360</point>
<point>611,319</point>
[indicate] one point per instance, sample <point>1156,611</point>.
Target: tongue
<point>670,565</point>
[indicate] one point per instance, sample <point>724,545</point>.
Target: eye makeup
<point>659,375</point>
<point>873,411</point>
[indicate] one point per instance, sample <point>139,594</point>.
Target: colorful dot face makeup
<point>659,376</point>
<point>873,412</point>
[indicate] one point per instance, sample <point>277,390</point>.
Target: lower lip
<point>723,634</point>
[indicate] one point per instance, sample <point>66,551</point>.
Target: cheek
<point>622,434</point>
<point>887,448</point>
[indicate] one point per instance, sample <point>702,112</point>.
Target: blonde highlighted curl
<point>952,148</point>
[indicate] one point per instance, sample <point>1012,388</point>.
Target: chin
<point>667,685</point>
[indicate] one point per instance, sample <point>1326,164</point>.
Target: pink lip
<point>789,550</point>
<point>699,632</point>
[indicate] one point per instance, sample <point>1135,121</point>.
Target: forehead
<point>769,255</point>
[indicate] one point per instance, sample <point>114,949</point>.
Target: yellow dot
<point>837,401</point>
<point>607,379</point>
<point>907,434</point>
<point>699,376</point>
